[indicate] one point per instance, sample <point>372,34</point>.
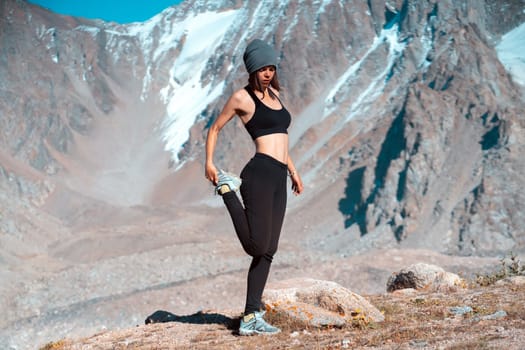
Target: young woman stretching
<point>263,187</point>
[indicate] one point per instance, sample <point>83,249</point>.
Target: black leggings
<point>258,223</point>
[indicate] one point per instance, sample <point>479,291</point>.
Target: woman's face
<point>265,75</point>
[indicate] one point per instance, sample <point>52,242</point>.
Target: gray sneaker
<point>224,178</point>
<point>255,324</point>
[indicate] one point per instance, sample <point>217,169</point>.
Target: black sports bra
<point>266,120</point>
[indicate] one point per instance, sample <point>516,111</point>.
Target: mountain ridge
<point>407,131</point>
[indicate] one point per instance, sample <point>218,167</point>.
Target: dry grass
<point>54,345</point>
<point>427,318</point>
<point>510,266</point>
<point>423,320</point>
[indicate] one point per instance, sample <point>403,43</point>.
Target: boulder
<point>424,276</point>
<point>306,302</point>
<point>512,281</point>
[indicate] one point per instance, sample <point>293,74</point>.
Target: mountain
<point>407,130</point>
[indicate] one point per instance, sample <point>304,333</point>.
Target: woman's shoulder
<point>275,91</point>
<point>241,92</point>
<point>240,95</point>
<point>241,102</point>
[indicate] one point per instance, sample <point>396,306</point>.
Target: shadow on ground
<point>161,316</point>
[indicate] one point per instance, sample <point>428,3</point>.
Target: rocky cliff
<point>405,103</point>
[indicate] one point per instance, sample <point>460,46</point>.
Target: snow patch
<point>391,37</point>
<point>324,3</point>
<point>185,95</point>
<point>114,32</point>
<point>291,26</point>
<point>427,46</point>
<point>187,103</point>
<point>511,53</point>
<point>396,48</point>
<point>203,33</point>
<point>91,30</point>
<point>50,33</point>
<point>146,83</point>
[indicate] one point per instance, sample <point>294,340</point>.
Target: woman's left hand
<point>210,171</point>
<point>297,183</point>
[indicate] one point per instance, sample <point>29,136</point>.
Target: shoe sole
<point>234,180</point>
<point>250,333</point>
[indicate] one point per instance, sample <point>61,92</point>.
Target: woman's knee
<point>258,244</point>
<point>260,249</point>
<point>256,250</point>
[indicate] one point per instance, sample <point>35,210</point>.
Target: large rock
<point>424,276</point>
<point>316,303</point>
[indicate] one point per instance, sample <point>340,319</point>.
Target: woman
<point>263,187</point>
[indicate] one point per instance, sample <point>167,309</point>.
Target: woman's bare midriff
<point>274,145</point>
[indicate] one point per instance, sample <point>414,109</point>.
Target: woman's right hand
<point>211,173</point>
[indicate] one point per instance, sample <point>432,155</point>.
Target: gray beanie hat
<point>259,54</point>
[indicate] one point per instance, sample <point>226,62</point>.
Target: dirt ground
<point>491,317</point>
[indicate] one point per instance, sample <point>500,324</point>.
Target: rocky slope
<point>407,131</point>
<point>478,318</point>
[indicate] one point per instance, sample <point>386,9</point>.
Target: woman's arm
<point>297,183</point>
<point>228,112</point>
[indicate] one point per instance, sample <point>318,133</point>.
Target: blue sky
<point>120,11</point>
